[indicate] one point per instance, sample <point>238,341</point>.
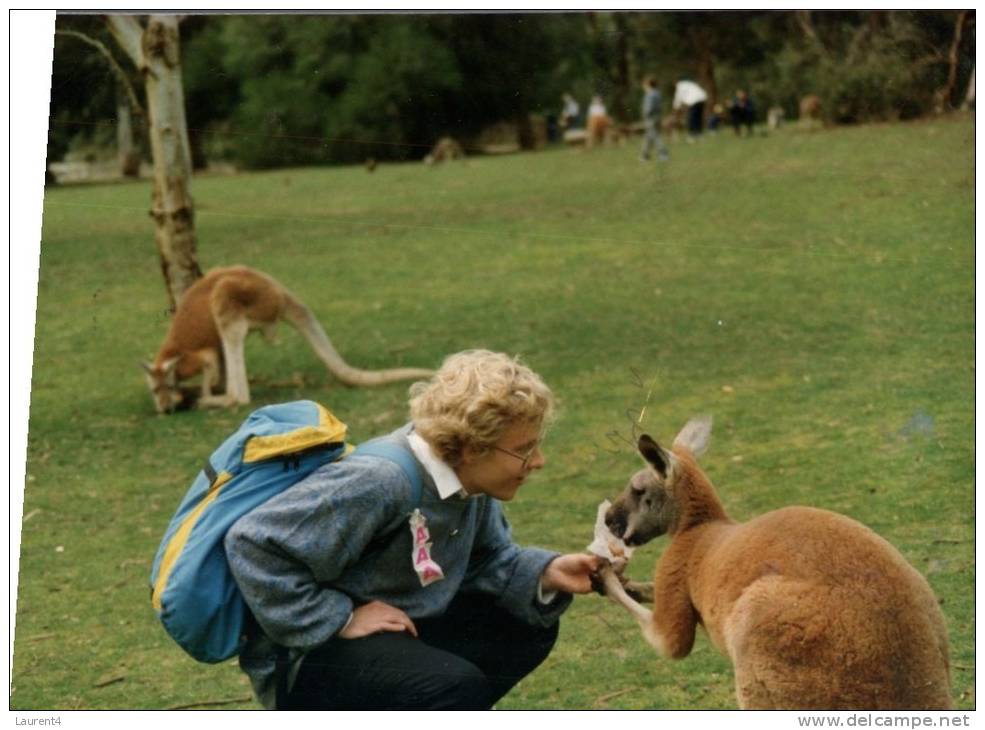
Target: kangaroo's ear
<point>695,435</point>
<point>654,455</point>
<point>169,364</point>
<point>146,366</point>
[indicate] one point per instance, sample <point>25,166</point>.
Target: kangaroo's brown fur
<point>814,610</point>
<point>810,111</point>
<point>209,328</point>
<point>445,150</point>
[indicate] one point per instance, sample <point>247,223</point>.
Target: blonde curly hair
<point>473,399</point>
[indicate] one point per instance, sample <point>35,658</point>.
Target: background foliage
<point>273,90</point>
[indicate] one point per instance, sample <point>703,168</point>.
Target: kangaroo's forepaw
<point>639,592</point>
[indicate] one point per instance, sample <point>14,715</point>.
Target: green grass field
<point>813,292</point>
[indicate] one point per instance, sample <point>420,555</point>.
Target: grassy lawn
<point>814,292</point>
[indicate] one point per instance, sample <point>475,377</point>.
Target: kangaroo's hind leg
<point>233,326</point>
<point>233,336</point>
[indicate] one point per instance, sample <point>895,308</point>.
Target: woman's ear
<point>469,455</point>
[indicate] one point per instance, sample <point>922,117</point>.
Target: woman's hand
<point>376,617</point>
<point>570,573</point>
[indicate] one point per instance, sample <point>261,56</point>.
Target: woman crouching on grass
<point>351,614</point>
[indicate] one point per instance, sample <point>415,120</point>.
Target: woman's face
<point>501,471</point>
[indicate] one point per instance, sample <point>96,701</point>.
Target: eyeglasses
<point>524,458</point>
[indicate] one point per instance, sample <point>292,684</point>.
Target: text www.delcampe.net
<point>874,720</point>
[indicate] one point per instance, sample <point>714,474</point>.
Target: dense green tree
<point>326,88</point>
<point>211,91</point>
<point>512,65</point>
<point>274,90</point>
<point>343,88</point>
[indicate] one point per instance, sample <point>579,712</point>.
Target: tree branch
<point>128,33</point>
<point>212,703</point>
<point>952,58</point>
<point>942,97</point>
<point>807,26</point>
<point>117,71</point>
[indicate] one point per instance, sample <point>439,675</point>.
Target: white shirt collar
<point>445,479</point>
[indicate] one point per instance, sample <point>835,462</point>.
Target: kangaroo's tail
<point>304,320</point>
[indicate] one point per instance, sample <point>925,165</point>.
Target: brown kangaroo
<point>209,328</point>
<point>814,610</point>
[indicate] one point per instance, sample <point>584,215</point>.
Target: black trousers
<point>695,118</point>
<point>741,116</point>
<point>465,660</point>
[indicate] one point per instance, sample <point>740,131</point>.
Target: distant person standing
<point>742,113</point>
<point>651,113</point>
<point>569,112</point>
<point>689,95</point>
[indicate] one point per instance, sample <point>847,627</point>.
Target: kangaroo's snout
<point>615,520</point>
<point>618,519</point>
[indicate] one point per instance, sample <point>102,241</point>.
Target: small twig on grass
<point>30,514</point>
<point>40,637</point>
<point>110,680</point>
<point>607,625</point>
<point>612,695</point>
<point>211,703</point>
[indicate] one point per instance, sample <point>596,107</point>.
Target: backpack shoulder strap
<point>400,456</point>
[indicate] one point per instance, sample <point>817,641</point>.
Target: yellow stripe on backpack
<point>177,543</point>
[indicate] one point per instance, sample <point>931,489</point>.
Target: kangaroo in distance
<point>814,610</point>
<point>208,331</point>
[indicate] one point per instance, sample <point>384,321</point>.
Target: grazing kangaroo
<point>810,111</point>
<point>814,610</point>
<point>210,326</point>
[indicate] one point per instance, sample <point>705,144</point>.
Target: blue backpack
<point>192,588</point>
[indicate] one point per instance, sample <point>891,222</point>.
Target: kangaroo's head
<point>162,379</point>
<point>653,502</point>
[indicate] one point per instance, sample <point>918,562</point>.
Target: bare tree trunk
<point>156,53</point>
<point>126,150</point>
<point>621,91</point>
<point>705,61</point>
<point>946,94</point>
<point>969,97</point>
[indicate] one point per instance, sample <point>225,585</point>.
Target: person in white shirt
<point>689,95</point>
<point>569,112</point>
